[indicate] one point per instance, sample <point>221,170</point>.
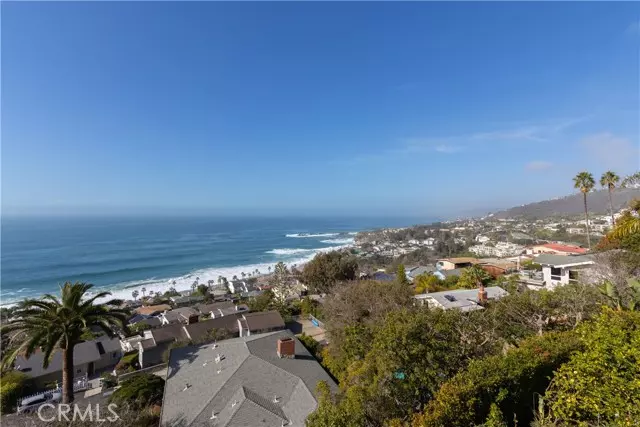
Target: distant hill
<point>598,202</point>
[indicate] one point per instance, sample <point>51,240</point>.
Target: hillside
<point>571,205</point>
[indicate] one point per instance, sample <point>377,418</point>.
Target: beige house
<point>454,263</point>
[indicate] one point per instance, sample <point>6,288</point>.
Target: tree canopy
<point>325,270</point>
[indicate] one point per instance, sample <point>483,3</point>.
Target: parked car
<point>31,404</point>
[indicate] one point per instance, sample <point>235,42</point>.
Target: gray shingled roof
<point>262,320</point>
<point>168,333</point>
<point>207,308</point>
<point>562,260</point>
<point>198,330</point>
<point>254,387</point>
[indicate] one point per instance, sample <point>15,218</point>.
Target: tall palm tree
<point>584,182</point>
<point>57,324</point>
<point>610,180</point>
<point>135,294</point>
<point>144,290</point>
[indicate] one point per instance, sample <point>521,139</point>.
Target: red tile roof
<point>565,248</point>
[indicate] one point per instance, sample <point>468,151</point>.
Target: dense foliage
<point>327,269</point>
<point>601,383</point>
<point>13,385</point>
<point>394,360</point>
<point>139,391</point>
<point>508,381</point>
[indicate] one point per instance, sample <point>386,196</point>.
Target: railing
<point>79,384</point>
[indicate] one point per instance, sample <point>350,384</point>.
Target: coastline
<point>182,283</point>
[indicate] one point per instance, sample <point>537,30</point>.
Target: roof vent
<point>450,298</point>
<point>186,386</point>
<point>235,402</point>
<point>219,358</point>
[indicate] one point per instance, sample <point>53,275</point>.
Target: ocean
<point>121,255</point>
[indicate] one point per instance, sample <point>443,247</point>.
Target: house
<point>443,274</point>
<point>157,341</point>
<point>89,358</point>
<point>266,379</point>
<point>482,239</point>
<point>185,315</point>
<point>497,267</point>
<point>185,300</point>
<point>563,269</point>
<point>453,263</point>
<point>237,286</point>
<point>152,310</point>
<point>500,249</point>
<point>556,249</point>
<point>223,308</point>
<point>414,272</point>
<point>199,331</point>
<point>461,299</point>
<point>260,322</point>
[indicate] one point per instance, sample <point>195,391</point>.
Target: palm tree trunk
<point>613,219</point>
<point>586,217</point>
<point>67,375</point>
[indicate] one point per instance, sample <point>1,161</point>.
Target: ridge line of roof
<point>218,392</point>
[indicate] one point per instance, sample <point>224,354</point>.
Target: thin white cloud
<point>540,132</point>
<point>611,151</point>
<point>447,149</point>
<point>538,165</point>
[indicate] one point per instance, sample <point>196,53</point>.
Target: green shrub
<point>140,391</point>
<point>13,385</point>
<point>128,362</point>
<point>108,380</point>
<point>601,385</point>
<point>509,381</point>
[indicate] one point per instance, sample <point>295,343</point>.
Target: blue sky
<point>315,108</point>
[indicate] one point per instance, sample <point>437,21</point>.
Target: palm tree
<point>210,282</point>
<point>269,269</point>
<point>57,324</point>
<point>135,294</point>
<point>194,285</point>
<point>144,290</point>
<point>234,277</point>
<point>629,223</point>
<point>632,180</point>
<point>584,182</point>
<point>243,274</point>
<point>610,180</point>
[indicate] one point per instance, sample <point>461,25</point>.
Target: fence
<point>79,384</point>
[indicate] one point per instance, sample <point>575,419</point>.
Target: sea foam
<point>304,235</point>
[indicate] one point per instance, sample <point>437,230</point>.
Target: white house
<point>558,270</point>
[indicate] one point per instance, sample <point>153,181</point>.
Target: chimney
<point>287,348</point>
<point>482,295</point>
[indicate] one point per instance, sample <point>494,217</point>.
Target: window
<point>25,370</point>
<point>556,272</point>
<point>78,371</point>
<point>114,354</point>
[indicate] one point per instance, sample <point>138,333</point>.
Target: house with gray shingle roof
<point>242,382</point>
